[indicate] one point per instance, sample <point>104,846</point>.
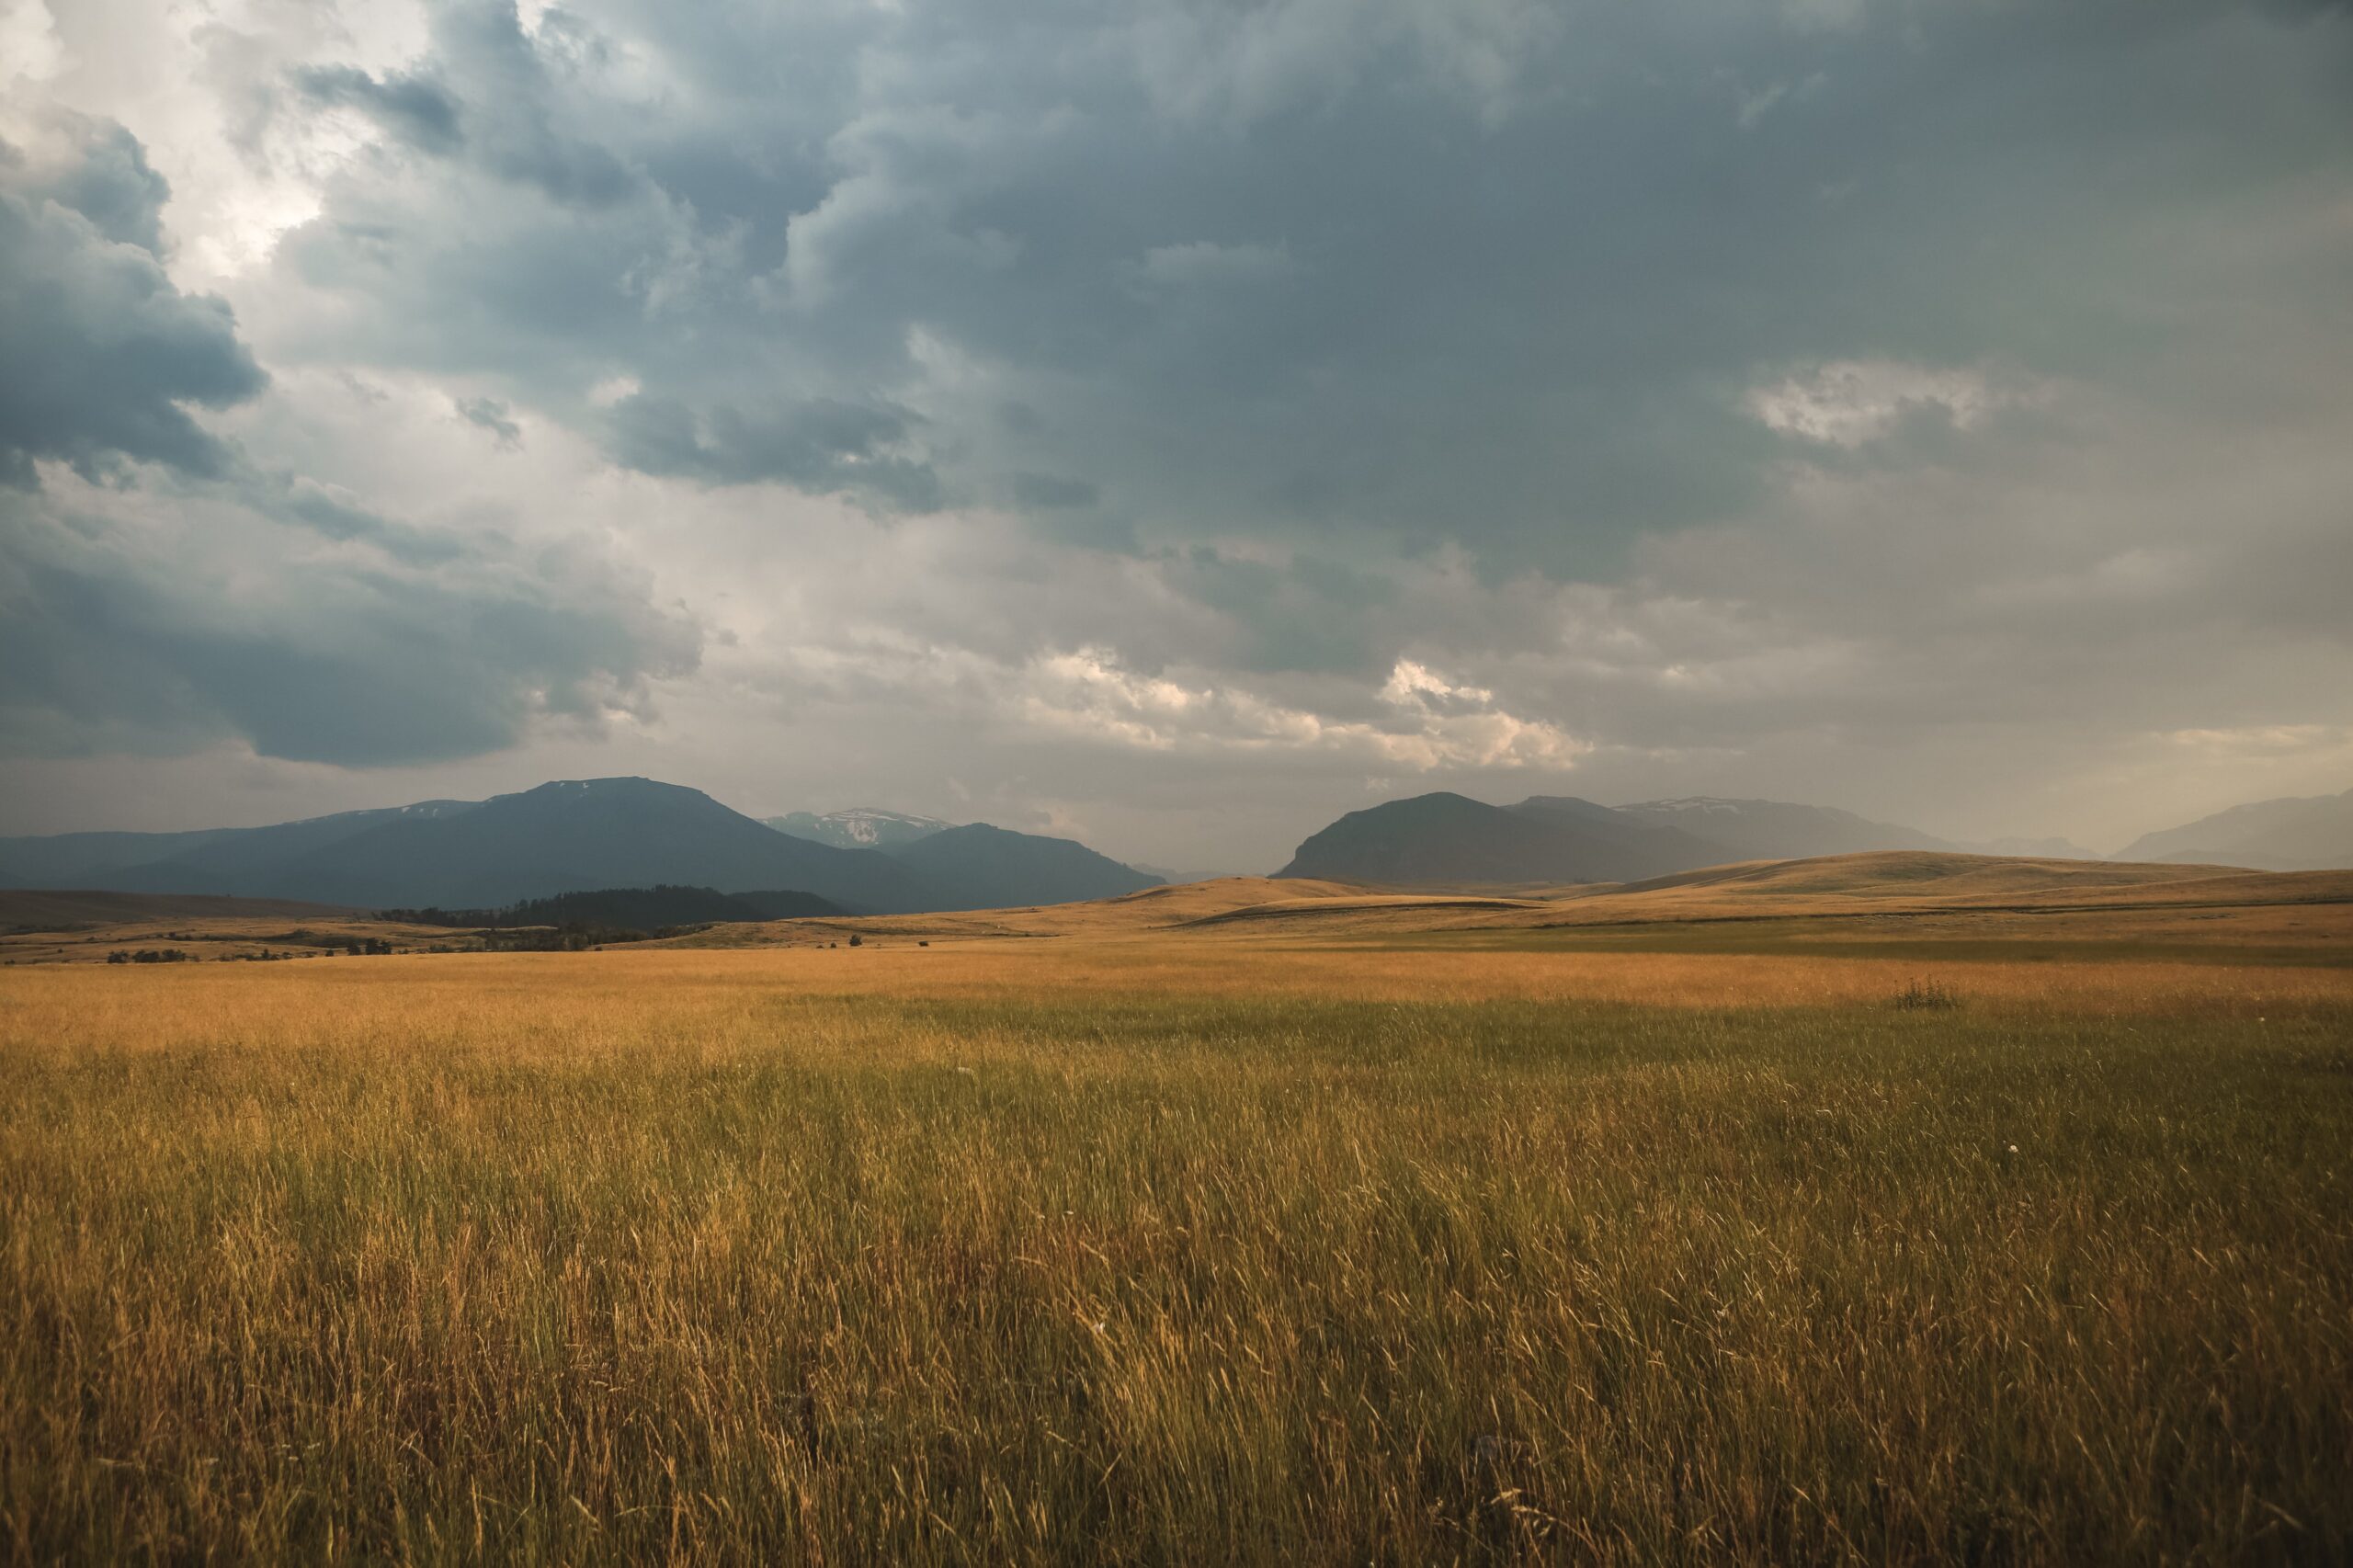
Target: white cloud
<point>1846,403</point>
<point>30,51</point>
<point>2265,740</point>
<point>1435,724</point>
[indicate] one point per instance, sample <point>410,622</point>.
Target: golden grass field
<point>1470,1234</point>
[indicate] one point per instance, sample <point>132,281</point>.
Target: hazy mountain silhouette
<point>588,834</point>
<point>979,867</point>
<point>195,862</point>
<point>574,836</point>
<point>2307,834</point>
<point>1552,838</point>
<point>75,860</point>
<point>1778,830</point>
<point>1636,845</point>
<point>1446,837</point>
<point>2032,848</point>
<point>561,838</point>
<point>253,857</point>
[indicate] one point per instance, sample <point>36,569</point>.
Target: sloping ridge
<point>1779,829</point>
<point>247,860</point>
<point>584,834</point>
<point>571,837</point>
<point>40,910</point>
<point>576,835</point>
<point>981,867</point>
<point>2312,833</point>
<point>1445,839</point>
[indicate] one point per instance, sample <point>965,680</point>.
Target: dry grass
<point>210,938</point>
<point>1164,1250</point>
<point>1879,898</point>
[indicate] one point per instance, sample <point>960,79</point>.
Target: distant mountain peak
<point>1443,837</point>
<point>622,784</point>
<point>858,827</point>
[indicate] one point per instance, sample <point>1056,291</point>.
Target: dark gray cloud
<point>1052,492</point>
<point>104,353</point>
<point>100,172</point>
<point>210,598</point>
<point>116,638</point>
<point>493,415</point>
<point>1714,395</point>
<point>1497,279</point>
<point>822,447</point>
<point>416,111</point>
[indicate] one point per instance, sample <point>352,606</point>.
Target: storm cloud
<point>1922,407</point>
<point>104,353</point>
<point>161,591</point>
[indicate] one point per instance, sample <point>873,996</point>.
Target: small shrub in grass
<point>1926,997</point>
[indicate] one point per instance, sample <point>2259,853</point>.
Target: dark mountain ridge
<point>981,867</point>
<point>1446,837</point>
<point>570,836</point>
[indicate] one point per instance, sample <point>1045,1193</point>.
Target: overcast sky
<point>1171,424</point>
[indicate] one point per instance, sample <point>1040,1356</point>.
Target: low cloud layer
<point>1180,426</point>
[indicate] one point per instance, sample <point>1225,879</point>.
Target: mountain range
<point>2308,834</point>
<point>575,836</point>
<point>592,834</point>
<point>1559,838</point>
